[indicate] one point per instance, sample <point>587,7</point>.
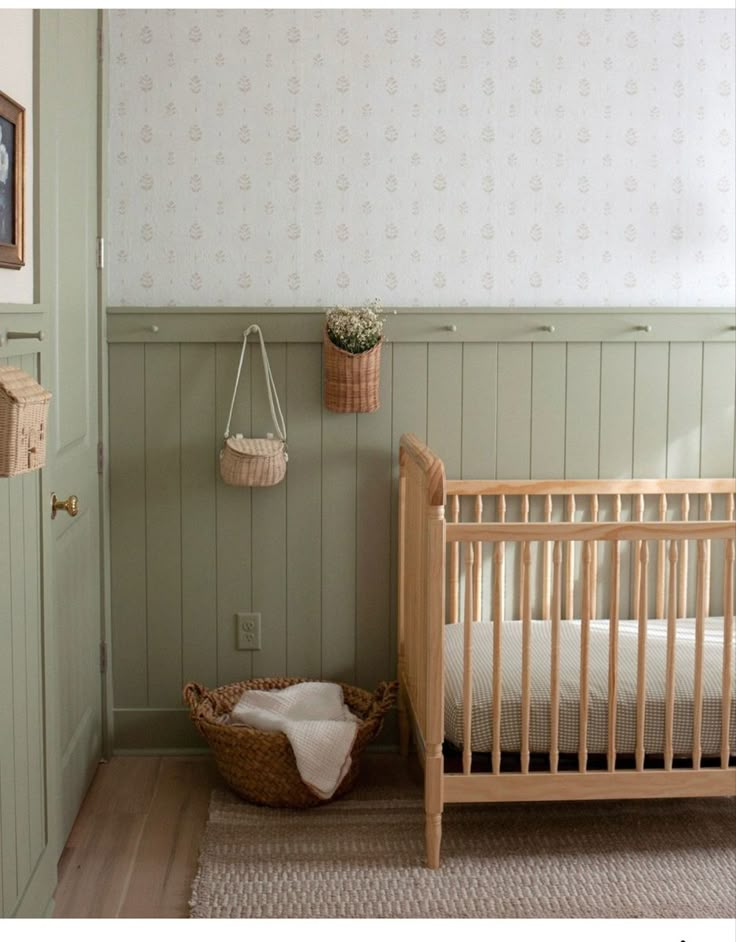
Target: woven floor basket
<point>260,766</point>
<point>351,379</point>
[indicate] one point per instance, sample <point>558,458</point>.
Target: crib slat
<point>615,576</point>
<point>546,547</point>
<point>501,514</point>
<point>661,560</point>
<point>554,707</point>
<point>453,601</point>
<point>478,565</point>
<point>641,664</point>
<point>497,618</point>
<point>584,658</point>
<point>522,550</point>
<point>682,604</point>
<point>593,557</point>
<point>468,662</point>
<point>526,630</point>
<point>706,590</point>
<point>570,563</point>
<point>669,707</point>
<point>639,516</point>
<point>727,645</point>
<point>700,609</point>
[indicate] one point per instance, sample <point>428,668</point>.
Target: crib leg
<point>404,725</point>
<point>433,839</point>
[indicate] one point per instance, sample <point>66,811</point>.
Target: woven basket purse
<point>255,462</point>
<point>24,406</point>
<point>260,765</point>
<point>351,379</point>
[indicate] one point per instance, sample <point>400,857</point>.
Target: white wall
<point>16,80</point>
<point>430,157</point>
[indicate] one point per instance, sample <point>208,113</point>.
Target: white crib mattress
<point>656,654</point>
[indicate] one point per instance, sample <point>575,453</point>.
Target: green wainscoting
<point>316,554</point>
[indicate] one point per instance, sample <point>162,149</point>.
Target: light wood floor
<point>134,847</point>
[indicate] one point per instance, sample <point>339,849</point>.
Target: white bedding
<point>656,652</point>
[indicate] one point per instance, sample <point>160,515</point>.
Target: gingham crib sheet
<point>656,654</point>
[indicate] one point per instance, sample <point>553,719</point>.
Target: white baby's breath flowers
<point>355,329</point>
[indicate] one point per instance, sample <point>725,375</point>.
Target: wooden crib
<point>562,557</point>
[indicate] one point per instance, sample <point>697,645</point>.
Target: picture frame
<point>12,182</point>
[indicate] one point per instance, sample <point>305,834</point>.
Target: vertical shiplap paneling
<point>513,449</point>
<point>198,518</point>
<point>650,431</point>
<point>304,510</point>
<point>445,404</point>
<point>684,410</point>
<point>583,410</point>
<point>20,678</point>
<point>233,509</point>
<point>163,524</point>
<point>548,410</point>
<point>616,445</point>
<point>480,361</point>
<point>269,526</point>
<point>128,524</point>
<point>339,506</point>
<point>8,872</point>
<point>373,657</point>
<point>717,442</point>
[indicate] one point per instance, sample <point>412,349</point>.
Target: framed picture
<point>12,173</point>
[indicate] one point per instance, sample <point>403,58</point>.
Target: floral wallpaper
<point>424,157</point>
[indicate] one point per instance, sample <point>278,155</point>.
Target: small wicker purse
<point>255,462</point>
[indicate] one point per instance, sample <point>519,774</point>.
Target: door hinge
<point>103,657</point>
<point>100,457</point>
<point>100,252</point>
<point>100,43</point>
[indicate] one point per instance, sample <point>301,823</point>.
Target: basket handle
<point>193,694</point>
<point>384,697</point>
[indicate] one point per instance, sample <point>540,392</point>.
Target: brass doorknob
<point>71,505</point>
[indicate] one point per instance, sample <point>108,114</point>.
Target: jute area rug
<point>363,857</point>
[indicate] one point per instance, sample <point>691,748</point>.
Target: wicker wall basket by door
<point>259,765</point>
<point>351,379</point>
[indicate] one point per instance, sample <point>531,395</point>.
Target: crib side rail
<point>651,541</point>
<point>421,595</point>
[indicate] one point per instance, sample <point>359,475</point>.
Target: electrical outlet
<point>248,631</point>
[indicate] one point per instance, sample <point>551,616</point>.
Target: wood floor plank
<point>98,858</point>
<point>166,860</point>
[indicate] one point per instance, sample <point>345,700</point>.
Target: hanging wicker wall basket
<point>351,379</point>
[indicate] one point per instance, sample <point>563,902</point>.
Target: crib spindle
<point>570,563</point>
<point>501,514</point>
<point>593,557</point>
<point>554,706</point>
<point>661,560</point>
<point>584,658</point>
<point>453,601</point>
<point>615,578</point>
<point>669,706</point>
<point>641,663</point>
<point>727,646</point>
<point>468,662</point>
<point>706,588</point>
<point>522,551</point>
<point>546,547</point>
<point>700,610</point>
<point>526,630</point>
<point>478,565</point>
<point>639,516</point>
<point>497,617</point>
<point>682,585</point>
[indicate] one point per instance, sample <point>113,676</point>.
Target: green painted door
<point>72,585</point>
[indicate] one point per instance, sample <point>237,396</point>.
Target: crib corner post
<point>433,804</point>
<point>435,682</point>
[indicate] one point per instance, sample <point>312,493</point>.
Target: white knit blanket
<point>319,726</point>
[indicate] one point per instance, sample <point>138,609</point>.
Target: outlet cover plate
<point>248,631</point>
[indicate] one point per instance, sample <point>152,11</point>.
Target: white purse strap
<point>273,399</point>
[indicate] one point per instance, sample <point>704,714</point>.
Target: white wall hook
<point>549,328</point>
<point>153,328</point>
<point>452,328</point>
<point>647,328</point>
